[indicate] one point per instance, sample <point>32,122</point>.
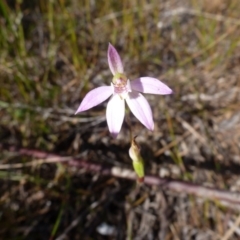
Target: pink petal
<point>95,97</point>
<point>141,109</point>
<point>115,114</point>
<point>150,85</point>
<point>114,60</point>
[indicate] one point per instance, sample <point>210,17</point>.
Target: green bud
<point>138,164</point>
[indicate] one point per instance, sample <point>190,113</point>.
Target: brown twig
<point>226,198</point>
<point>230,231</point>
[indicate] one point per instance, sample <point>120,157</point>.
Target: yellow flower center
<point>121,85</point>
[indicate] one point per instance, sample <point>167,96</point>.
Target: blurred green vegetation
<point>51,51</point>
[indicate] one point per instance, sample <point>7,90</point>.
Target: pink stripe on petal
<point>150,85</point>
<point>114,60</point>
<point>115,114</point>
<point>95,97</point>
<point>141,109</point>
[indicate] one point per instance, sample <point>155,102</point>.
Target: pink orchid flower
<point>123,89</point>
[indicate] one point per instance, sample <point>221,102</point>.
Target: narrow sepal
<point>115,114</point>
<point>114,60</point>
<point>150,85</point>
<point>95,97</point>
<point>141,109</point>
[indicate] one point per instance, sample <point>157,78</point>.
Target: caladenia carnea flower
<point>138,164</point>
<point>122,89</point>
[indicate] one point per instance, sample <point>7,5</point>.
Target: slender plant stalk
<point>223,197</point>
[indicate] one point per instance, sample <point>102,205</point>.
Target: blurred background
<point>52,52</point>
